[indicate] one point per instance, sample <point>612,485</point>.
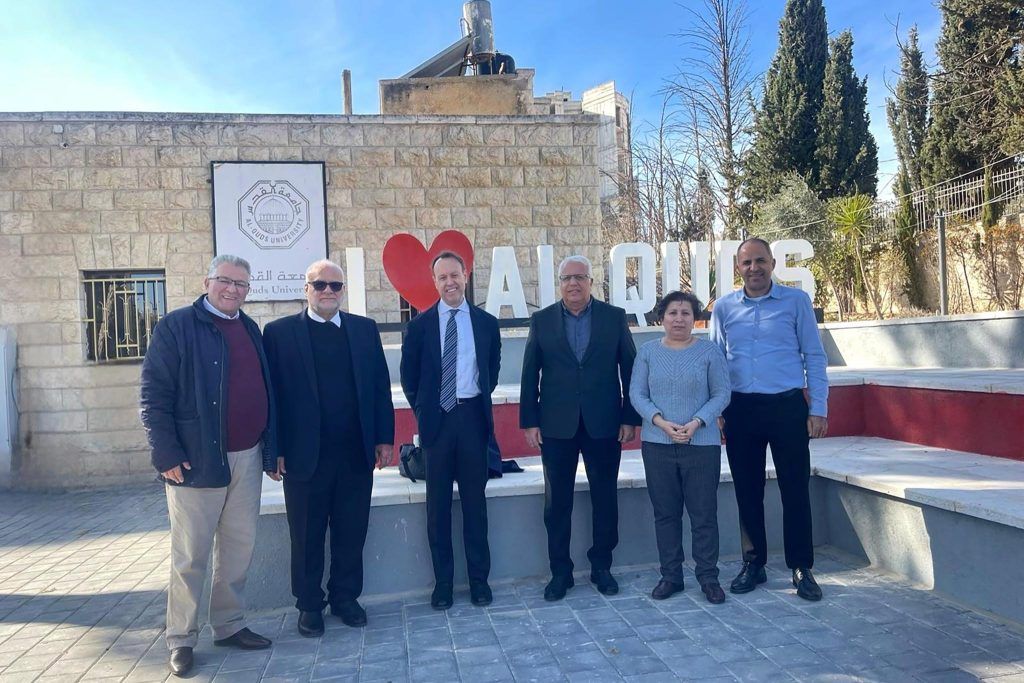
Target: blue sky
<point>274,57</point>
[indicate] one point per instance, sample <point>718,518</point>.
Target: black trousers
<point>561,458</point>
<point>337,496</point>
<point>753,422</point>
<point>459,455</point>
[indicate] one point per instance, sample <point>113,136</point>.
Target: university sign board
<point>274,215</point>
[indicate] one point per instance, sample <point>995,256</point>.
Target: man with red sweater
<point>209,416</point>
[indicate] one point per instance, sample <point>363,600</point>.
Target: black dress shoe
<point>557,587</point>
<point>605,582</point>
<point>180,661</point>
<point>244,640</point>
<point>714,593</point>
<point>350,612</point>
<point>666,589</point>
<point>748,578</point>
<point>806,587</point>
<point>441,598</point>
<point>311,623</point>
<point>480,593</point>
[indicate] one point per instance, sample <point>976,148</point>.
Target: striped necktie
<point>449,359</point>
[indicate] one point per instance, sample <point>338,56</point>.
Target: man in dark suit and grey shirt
<point>336,421</point>
<point>450,360</point>
<point>575,398</point>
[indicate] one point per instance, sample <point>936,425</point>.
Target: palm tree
<point>851,219</point>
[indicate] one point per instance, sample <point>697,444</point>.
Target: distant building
<point>613,138</point>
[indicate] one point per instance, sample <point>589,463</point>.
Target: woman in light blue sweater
<point>680,386</point>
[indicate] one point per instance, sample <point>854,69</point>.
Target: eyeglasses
<point>573,278</point>
<point>227,282</point>
<point>320,285</point>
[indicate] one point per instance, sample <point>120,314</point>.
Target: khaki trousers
<point>222,520</point>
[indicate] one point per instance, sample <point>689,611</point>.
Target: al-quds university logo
<point>273,214</point>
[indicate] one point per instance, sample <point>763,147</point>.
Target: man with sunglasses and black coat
<point>336,422</point>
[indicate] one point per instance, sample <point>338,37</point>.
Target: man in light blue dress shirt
<point>770,339</point>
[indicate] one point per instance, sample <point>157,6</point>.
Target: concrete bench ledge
<point>980,380</point>
<point>980,486</point>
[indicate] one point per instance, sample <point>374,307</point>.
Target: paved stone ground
<point>81,598</point>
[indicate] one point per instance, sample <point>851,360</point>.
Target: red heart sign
<point>407,264</point>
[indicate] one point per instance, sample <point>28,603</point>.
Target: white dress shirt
<point>467,374</point>
<point>313,316</point>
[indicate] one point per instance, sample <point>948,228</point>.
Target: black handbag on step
<point>410,462</point>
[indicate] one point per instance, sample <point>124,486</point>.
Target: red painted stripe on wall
<point>984,423</point>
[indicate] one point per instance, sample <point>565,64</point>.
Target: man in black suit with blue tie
<point>450,361</point>
<point>336,421</point>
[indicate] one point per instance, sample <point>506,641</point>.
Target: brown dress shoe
<point>666,589</point>
<point>714,593</point>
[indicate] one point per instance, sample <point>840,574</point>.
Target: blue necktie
<point>449,359</point>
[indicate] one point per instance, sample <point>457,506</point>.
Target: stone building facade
<point>86,192</point>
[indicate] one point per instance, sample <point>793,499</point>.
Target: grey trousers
<point>678,474</point>
<point>221,520</point>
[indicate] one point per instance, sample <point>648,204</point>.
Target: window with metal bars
<point>406,310</point>
<point>121,309</point>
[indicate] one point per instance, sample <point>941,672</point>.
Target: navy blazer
<point>293,372</point>
<point>421,366</point>
<point>557,388</point>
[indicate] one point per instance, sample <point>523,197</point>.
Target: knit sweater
<point>246,402</point>
<point>680,384</point>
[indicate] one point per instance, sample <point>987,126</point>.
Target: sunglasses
<point>320,285</point>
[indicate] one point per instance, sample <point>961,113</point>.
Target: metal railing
<point>961,198</point>
<point>121,309</point>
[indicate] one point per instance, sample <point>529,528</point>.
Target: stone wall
<point>116,191</point>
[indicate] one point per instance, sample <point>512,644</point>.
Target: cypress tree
<point>979,54</point>
<point>785,125</point>
<point>907,111</point>
<point>847,154</point>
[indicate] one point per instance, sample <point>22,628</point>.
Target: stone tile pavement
<point>81,598</point>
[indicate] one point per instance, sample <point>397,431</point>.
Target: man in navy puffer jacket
<point>207,407</point>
